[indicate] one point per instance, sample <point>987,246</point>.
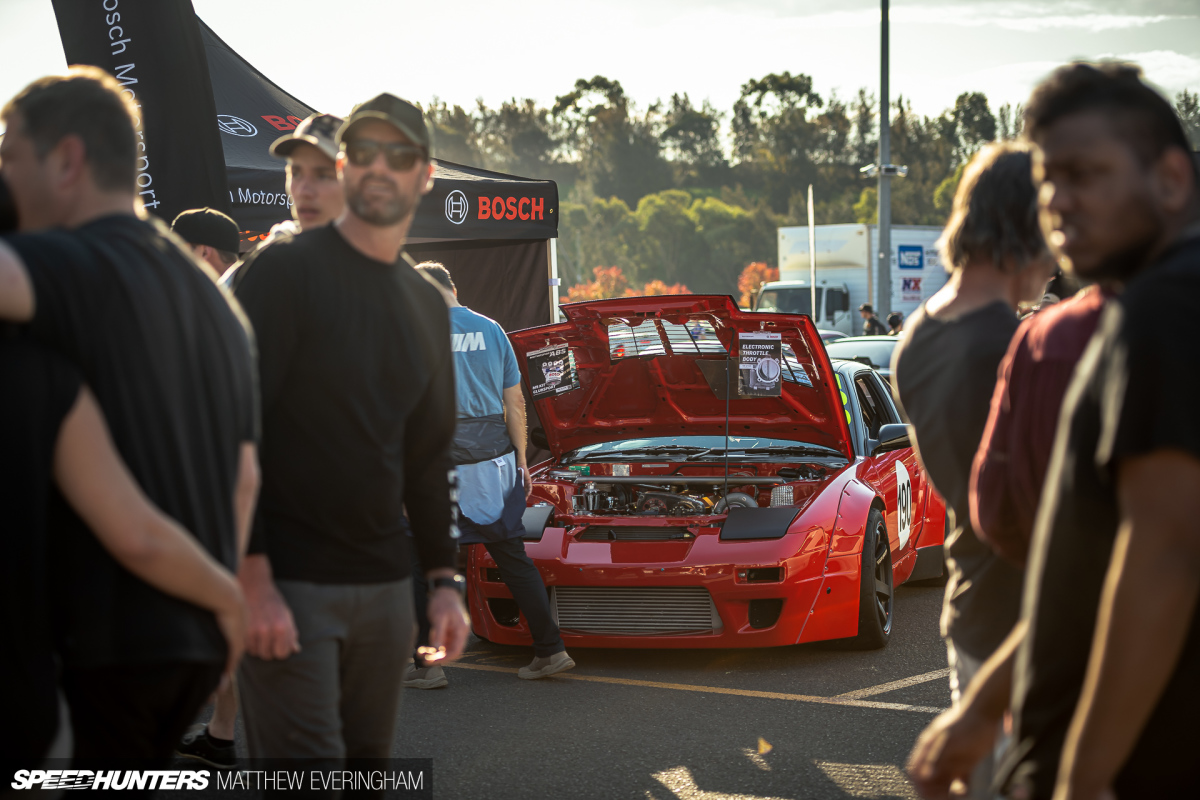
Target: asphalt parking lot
<point>811,721</point>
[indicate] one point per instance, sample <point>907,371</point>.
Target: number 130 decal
<point>903,503</point>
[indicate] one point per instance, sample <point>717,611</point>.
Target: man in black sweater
<point>357,384</point>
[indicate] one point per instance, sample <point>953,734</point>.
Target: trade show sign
<point>551,371</point>
<point>760,367</point>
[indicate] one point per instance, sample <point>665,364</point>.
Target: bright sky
<point>333,54</point>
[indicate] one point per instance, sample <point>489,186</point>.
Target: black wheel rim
<point>883,580</point>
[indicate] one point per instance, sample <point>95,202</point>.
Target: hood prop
<point>728,358</point>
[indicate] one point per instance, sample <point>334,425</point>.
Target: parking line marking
<point>903,683</point>
<point>686,687</point>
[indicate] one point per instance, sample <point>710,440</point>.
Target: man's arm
<point>98,485</point>
<point>1149,598</point>
<point>957,740</point>
<point>16,290</point>
<point>514,419</point>
<point>269,286</point>
<point>245,495</point>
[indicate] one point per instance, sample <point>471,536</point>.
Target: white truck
<point>847,272</point>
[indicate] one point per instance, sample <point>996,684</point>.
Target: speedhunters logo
<point>235,780</point>
<point>118,779</point>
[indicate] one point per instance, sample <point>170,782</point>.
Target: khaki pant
<point>339,697</point>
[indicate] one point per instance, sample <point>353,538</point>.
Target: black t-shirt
<point>358,411</point>
<point>944,376</point>
<point>873,327</point>
<point>165,353</point>
<point>39,390</point>
<point>1135,391</point>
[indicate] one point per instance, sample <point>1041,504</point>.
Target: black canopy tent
<point>494,232</point>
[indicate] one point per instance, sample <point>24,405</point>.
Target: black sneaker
<point>196,744</point>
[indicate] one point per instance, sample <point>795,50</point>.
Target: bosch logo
<point>235,126</point>
<point>457,207</point>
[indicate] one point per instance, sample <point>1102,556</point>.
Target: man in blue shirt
<point>493,477</point>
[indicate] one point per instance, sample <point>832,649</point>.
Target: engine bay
<point>684,495</point>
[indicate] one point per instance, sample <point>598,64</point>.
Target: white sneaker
<point>545,667</point>
<point>424,678</point>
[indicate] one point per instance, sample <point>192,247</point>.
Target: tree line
<point>681,193</point>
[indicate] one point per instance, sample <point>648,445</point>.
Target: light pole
<point>885,171</point>
<point>884,255</point>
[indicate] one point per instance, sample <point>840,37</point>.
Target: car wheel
<point>876,600</point>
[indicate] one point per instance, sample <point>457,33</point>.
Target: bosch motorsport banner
<point>471,203</point>
<point>153,49</point>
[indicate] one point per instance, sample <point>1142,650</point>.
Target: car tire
<point>877,592</point>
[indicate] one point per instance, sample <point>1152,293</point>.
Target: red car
<point>716,481</point>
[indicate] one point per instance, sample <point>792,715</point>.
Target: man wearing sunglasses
<point>358,415</point>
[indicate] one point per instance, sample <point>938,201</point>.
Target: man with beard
<point>358,417</point>
<point>1114,550</point>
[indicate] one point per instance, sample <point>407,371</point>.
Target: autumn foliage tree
<point>753,276</point>
<point>611,282</point>
<point>657,287</point>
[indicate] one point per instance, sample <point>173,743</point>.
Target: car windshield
<point>879,351</point>
<point>796,300</point>
<point>694,448</point>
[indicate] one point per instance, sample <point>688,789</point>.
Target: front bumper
<point>749,611</point>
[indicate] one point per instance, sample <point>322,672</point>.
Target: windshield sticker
<point>760,364</point>
<point>845,399</point>
<point>552,371</point>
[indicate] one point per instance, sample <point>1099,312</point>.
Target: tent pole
<point>552,258</point>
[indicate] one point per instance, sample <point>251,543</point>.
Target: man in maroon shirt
<point>1010,467</point>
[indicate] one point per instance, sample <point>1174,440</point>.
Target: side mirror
<point>895,436</point>
<point>538,437</point>
<point>845,301</point>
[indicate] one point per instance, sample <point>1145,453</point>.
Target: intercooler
<point>631,610</point>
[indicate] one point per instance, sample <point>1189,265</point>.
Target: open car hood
<point>657,366</point>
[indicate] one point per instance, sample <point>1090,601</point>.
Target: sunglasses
<point>400,157</point>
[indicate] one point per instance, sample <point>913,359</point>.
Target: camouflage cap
<point>319,130</point>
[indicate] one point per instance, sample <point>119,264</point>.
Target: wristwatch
<point>458,583</point>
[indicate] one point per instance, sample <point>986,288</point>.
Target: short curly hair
<point>1140,116</point>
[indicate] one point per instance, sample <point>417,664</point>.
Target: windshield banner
<point>552,371</point>
<point>759,364</point>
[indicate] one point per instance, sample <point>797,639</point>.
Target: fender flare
<point>834,614</point>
